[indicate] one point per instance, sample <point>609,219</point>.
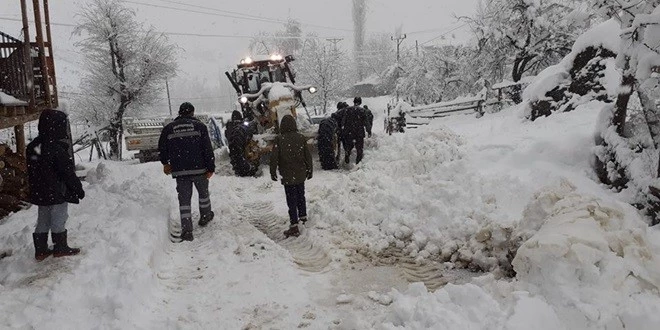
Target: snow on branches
<point>126,64</point>
<point>628,141</point>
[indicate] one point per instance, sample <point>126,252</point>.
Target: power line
<point>233,15</point>
<point>223,97</point>
<point>445,33</point>
<point>194,34</point>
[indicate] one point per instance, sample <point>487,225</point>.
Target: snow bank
<point>588,259</point>
<point>416,195</point>
<point>586,265</point>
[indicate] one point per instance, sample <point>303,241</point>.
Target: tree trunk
<point>652,118</point>
<point>116,131</point>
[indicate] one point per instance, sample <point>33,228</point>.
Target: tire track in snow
<point>306,253</point>
<point>432,273</point>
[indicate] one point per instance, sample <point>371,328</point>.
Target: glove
<point>167,169</point>
<point>209,175</point>
<point>309,175</point>
<point>81,194</point>
<point>273,177</point>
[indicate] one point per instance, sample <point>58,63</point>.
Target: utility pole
<point>399,40</point>
<point>169,102</point>
<point>334,41</point>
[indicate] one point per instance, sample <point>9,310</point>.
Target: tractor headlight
<point>275,57</point>
<point>247,60</point>
<point>243,99</point>
<point>313,90</point>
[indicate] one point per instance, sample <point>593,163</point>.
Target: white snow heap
<point>587,257</point>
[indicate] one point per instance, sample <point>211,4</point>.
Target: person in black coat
<point>368,120</point>
<point>186,153</point>
<point>53,183</point>
<point>353,130</point>
<point>327,137</point>
<point>338,116</point>
<point>238,135</point>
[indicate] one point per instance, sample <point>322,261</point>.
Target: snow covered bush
<point>627,144</point>
<point>587,73</point>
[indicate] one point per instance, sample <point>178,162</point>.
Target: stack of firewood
<point>13,181</point>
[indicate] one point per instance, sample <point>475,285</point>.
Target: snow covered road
<point>422,207</point>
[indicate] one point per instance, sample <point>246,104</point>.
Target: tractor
<point>267,91</point>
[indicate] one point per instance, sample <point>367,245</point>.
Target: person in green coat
<point>292,157</point>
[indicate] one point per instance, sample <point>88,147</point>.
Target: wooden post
<point>50,54</point>
<point>27,58</point>
<point>42,53</point>
<point>19,131</point>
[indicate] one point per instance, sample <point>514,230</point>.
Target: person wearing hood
<point>291,156</point>
<point>187,154</point>
<point>53,183</point>
<point>238,135</point>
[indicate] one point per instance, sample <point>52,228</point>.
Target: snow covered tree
<point>629,142</point>
<point>126,64</point>
<point>529,34</point>
<point>288,41</point>
<point>325,67</point>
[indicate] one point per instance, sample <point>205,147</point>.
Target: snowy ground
<point>461,192</point>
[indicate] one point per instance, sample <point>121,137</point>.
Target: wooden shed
<point>27,70</point>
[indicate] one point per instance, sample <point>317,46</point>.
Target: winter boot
<point>303,219</point>
<point>41,250</point>
<point>205,219</point>
<point>292,231</point>
<point>62,249</point>
<point>186,230</point>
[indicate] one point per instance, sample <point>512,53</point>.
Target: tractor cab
<point>256,73</point>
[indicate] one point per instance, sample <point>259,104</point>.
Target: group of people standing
<point>187,155</point>
<point>348,126</point>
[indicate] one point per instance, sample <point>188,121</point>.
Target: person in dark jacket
<point>368,120</point>
<point>292,157</point>
<point>186,153</point>
<point>338,116</point>
<point>327,139</point>
<point>238,135</point>
<point>53,183</point>
<point>353,130</point>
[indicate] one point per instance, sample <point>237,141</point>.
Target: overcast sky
<point>205,58</point>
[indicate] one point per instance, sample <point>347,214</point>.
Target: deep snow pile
<point>415,194</point>
<point>587,265</point>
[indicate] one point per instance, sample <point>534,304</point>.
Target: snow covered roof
<point>371,80</point>
<point>10,100</point>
